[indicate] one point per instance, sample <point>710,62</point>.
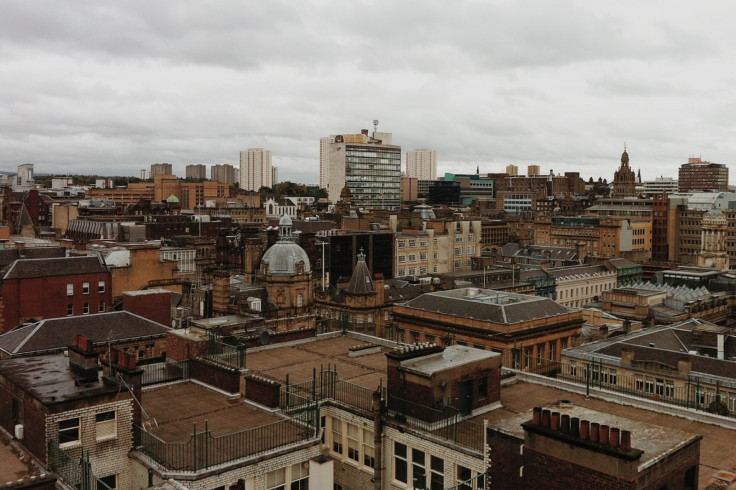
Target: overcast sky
<point>109,87</point>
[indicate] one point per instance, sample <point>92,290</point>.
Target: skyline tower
<point>370,166</point>
<point>421,164</point>
<point>255,169</point>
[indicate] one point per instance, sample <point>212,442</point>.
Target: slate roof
<point>55,334</point>
<point>585,270</point>
<point>666,345</point>
<point>488,305</point>
<point>55,266</point>
<point>361,282</point>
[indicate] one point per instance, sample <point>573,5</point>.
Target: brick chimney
<point>122,368</point>
<point>83,360</point>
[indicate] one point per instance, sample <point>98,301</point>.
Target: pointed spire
<point>477,170</point>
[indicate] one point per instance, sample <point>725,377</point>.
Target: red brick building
<point>34,289</point>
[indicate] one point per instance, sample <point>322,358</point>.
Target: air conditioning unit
<point>19,431</point>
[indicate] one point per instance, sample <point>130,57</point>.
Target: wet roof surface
<point>49,379</point>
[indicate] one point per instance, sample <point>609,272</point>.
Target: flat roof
<point>520,398</point>
<point>176,408</point>
<point>50,380</point>
<point>298,360</point>
<point>452,356</point>
<point>655,440</point>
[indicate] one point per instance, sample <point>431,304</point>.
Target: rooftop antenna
<point>375,127</point>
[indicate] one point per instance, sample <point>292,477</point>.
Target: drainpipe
<point>377,407</point>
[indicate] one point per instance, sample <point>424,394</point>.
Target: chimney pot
<point>565,424</point>
<point>625,440</point>
<point>603,434</point>
<point>555,421</point>
<point>614,438</point>
<point>594,431</point>
<point>584,429</point>
<point>537,416</point>
<point>575,426</point>
<point>545,417</point>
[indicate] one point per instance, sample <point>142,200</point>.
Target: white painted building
<point>421,164</point>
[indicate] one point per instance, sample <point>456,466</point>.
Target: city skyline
<point>485,85</point>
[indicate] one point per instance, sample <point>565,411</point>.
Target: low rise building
<point>528,331</point>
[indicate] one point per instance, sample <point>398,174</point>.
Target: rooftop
<point>715,448</point>
<point>488,305</point>
<point>56,334</point>
<point>50,380</point>
<point>452,356</point>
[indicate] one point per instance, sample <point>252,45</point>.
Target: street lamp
<point>322,244</point>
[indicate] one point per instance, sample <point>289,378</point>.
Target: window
<point>400,462</point>
<point>660,387</point>
<point>368,449</point>
<point>69,310</point>
<point>412,243</point>
<point>423,256</point>
<point>299,301</point>
<point>482,386</point>
<point>69,289</point>
<point>649,386</point>
<point>612,377</point>
<point>458,251</point>
<point>337,436</point>
<point>418,468</point>
<point>300,476</point>
<point>276,480</point>
<point>412,271</point>
<point>573,369</point>
<point>412,257</point>
<point>437,475</point>
<point>402,258</point>
<point>85,288</point>
<point>353,442</point>
<point>639,384</point>
<point>106,425</point>
<point>107,483</point>
<point>101,307</point>
<point>69,431</point>
<point>458,264</point>
<point>402,244</point>
<point>669,389</point>
<point>101,287</point>
<point>85,309</point>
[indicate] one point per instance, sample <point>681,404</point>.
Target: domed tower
<point>624,179</point>
<point>286,271</point>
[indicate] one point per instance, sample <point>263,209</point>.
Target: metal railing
<point>77,473</point>
<point>688,391</point>
<point>164,372</point>
<point>226,354</point>
<point>204,450</point>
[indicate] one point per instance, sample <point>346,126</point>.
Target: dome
<point>172,198</point>
<point>283,258</point>
<point>285,221</point>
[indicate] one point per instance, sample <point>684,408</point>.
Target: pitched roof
<point>55,334</point>
<point>361,282</point>
<point>55,266</point>
<point>488,305</point>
